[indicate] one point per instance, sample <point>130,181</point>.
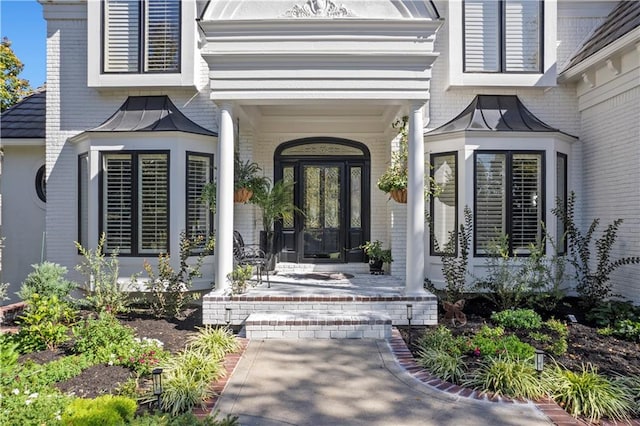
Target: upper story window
<point>141,36</point>
<point>503,36</point>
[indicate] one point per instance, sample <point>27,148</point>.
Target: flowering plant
<point>142,356</point>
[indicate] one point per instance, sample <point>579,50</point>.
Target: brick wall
<point>610,140</point>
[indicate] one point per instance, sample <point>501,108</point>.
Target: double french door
<point>332,196</point>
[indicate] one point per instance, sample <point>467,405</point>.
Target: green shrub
<point>42,407</point>
<point>592,274</point>
<point>558,345</point>
<point>610,312</point>
<point>492,342</point>
<point>506,375</point>
<point>8,355</point>
<point>102,337</point>
<point>441,339</point>
<point>588,393</point>
<point>43,324</point>
<point>142,356</point>
<point>169,288</point>
<point>446,366</point>
<point>216,341</point>
<point>518,319</point>
<point>105,410</point>
<point>47,280</point>
<point>57,370</point>
<point>627,330</point>
<point>106,293</point>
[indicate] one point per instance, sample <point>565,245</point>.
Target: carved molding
<point>318,9</point>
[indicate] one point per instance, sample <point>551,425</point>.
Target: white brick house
<point>308,89</point>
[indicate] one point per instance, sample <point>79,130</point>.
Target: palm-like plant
<point>276,203</point>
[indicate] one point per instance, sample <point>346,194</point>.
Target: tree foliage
<point>13,87</point>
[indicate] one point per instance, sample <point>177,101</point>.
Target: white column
<point>414,284</point>
<point>224,200</point>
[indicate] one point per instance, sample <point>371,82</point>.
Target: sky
<point>21,21</point>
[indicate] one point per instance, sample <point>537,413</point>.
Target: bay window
<point>141,36</point>
<point>135,202</point>
<point>503,36</point>
<point>509,199</point>
<point>444,205</point>
<point>199,172</point>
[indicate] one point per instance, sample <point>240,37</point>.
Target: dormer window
<point>503,36</point>
<point>141,36</point>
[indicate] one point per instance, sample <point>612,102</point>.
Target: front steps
<point>318,325</point>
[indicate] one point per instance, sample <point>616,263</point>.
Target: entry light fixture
<point>539,359</point>
<point>156,375</point>
<point>227,315</point>
<point>409,318</point>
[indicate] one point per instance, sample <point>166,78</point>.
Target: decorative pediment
<point>318,9</point>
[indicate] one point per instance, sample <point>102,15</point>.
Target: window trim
<point>189,66</point>
<point>82,157</point>
<point>564,247</point>
<point>142,38</point>
<point>432,250</point>
<point>134,198</point>
<point>458,78</point>
<point>40,183</point>
<point>501,33</point>
<point>186,189</point>
<point>508,194</point>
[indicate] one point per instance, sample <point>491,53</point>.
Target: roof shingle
<point>26,119</point>
<point>624,18</point>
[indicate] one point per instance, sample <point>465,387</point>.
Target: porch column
<point>414,284</point>
<point>224,203</point>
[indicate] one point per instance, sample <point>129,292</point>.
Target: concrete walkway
<point>348,382</point>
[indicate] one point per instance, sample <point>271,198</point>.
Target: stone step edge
<point>319,318</point>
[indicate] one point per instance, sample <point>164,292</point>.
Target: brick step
<point>318,325</point>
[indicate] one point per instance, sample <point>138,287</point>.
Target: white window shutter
<point>198,175</point>
<point>526,201</point>
<point>121,35</point>
<point>481,36</point>
<point>162,42</point>
<point>117,208</point>
<point>444,204</point>
<point>490,198</point>
<point>153,203</point>
<point>522,35</point>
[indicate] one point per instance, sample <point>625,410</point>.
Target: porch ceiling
<point>318,117</point>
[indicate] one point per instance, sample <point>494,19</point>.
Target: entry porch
<point>314,298</point>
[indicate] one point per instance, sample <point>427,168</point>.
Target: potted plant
<point>276,203</point>
<point>394,180</point>
<point>377,256</point>
<point>246,180</point>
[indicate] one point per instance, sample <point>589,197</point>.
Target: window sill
<point>547,79</point>
<point>140,80</point>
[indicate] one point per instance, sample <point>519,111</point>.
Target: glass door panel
<point>321,194</point>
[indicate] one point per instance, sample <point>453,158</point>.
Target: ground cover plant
<point>72,366</point>
<point>591,373</point>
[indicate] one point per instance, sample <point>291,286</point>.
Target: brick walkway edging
<point>548,406</point>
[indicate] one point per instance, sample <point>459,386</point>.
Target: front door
<point>331,191</point>
<point>322,197</point>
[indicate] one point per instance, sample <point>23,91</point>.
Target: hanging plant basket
<point>242,195</point>
<point>399,195</point>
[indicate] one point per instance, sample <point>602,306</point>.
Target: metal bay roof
<point>150,114</point>
<point>494,113</point>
